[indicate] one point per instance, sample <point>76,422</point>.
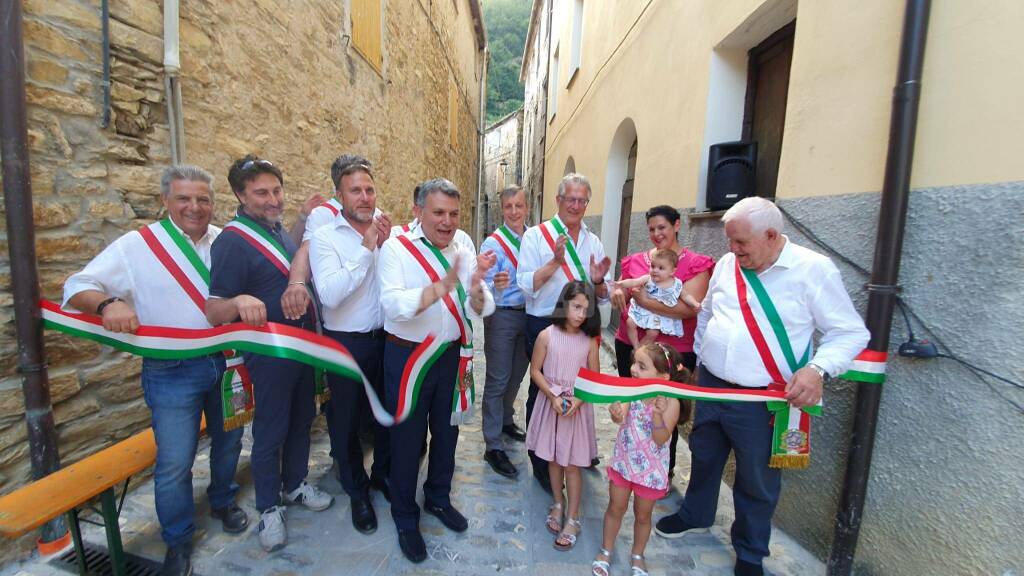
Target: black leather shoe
<point>744,568</point>
<point>178,561</point>
<point>449,516</point>
<point>232,518</point>
<point>514,432</point>
<point>500,463</point>
<point>363,517</point>
<point>412,545</point>
<point>381,485</point>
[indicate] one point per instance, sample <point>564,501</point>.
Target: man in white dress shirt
<point>343,255</point>
<point>553,253</point>
<point>128,284</point>
<point>460,235</point>
<point>771,291</point>
<point>430,285</point>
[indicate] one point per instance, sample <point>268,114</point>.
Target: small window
<point>366,31</point>
<point>553,87</point>
<point>453,114</point>
<point>577,40</point>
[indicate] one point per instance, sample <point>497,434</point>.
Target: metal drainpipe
<point>35,385</point>
<point>172,83</point>
<point>884,276</point>
<point>105,20</point>
<point>480,147</point>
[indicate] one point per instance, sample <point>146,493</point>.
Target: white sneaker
<point>273,534</point>
<point>309,496</point>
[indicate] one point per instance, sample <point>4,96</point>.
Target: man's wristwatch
<point>821,371</point>
<point>105,303</point>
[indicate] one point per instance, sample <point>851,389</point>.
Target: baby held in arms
<point>662,285</point>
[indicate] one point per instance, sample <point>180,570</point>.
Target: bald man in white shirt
<point>767,290</point>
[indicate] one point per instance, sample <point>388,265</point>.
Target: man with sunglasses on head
<point>249,282</point>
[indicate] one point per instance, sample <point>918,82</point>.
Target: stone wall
<point>283,83</point>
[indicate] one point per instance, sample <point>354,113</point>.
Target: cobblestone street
<point>506,531</point>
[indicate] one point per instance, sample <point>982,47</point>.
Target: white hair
<point>183,172</point>
<point>573,178</point>
<point>761,214</point>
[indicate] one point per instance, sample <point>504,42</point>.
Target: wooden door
<point>765,109</point>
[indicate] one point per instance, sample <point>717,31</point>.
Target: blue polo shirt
<point>513,295</point>
<point>237,267</point>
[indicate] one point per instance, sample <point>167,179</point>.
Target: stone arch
<point>570,166</point>
<point>618,170</point>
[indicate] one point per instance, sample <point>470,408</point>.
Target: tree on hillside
<point>506,22</point>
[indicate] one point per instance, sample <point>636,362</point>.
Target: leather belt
<point>520,308</point>
<point>401,341</point>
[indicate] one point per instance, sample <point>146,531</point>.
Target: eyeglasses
<point>250,163</point>
<point>356,168</point>
<point>573,201</point>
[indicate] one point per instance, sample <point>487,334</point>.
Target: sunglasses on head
<point>250,163</point>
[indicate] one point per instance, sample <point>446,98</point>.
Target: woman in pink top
<point>693,269</point>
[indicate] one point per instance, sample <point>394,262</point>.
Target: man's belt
<point>520,308</point>
<point>722,383</point>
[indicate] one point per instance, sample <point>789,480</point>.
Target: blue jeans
<point>178,392</point>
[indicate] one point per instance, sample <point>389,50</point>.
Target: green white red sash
<point>434,263</point>
<point>272,339</point>
<point>791,437</point>
<point>551,230</point>
<point>868,366</point>
<point>272,250</point>
<point>509,243</point>
<point>598,388</point>
<point>182,262</point>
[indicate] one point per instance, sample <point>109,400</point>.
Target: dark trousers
<point>285,407</point>
<point>744,428</point>
<point>433,410</point>
<point>348,399</point>
<point>534,326</point>
<point>623,361</point>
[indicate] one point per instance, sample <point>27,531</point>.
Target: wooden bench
<point>74,486</point>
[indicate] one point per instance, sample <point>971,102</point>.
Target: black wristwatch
<point>107,302</point>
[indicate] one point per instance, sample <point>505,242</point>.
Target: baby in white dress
<point>662,285</point>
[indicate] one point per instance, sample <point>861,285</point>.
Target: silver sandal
<point>601,564</point>
<point>569,538</point>
<point>637,571</point>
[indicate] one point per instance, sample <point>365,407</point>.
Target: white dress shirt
<point>808,293</point>
<point>402,281</point>
<point>460,236</point>
<point>127,268</point>
<point>319,217</point>
<point>345,278</point>
<point>534,253</point>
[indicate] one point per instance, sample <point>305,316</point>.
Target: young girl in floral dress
<point>561,427</point>
<point>640,459</point>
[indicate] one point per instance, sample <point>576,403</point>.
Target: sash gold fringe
<point>238,420</point>
<point>790,461</point>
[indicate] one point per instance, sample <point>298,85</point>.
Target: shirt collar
<point>341,222</point>
<point>205,237</point>
<point>788,257</point>
<point>510,229</point>
<point>583,223</point>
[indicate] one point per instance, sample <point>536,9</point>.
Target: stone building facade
<point>639,91</point>
<point>534,76</point>
<point>502,168</point>
<point>292,85</point>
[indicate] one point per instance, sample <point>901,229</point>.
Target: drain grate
<point>97,562</point>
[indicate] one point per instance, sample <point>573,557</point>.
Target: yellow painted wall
<point>649,62</point>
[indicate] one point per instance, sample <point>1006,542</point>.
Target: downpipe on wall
<point>172,83</point>
<point>480,147</point>
<point>21,246</point>
<point>883,286</point>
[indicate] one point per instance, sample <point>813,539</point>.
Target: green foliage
<point>506,22</point>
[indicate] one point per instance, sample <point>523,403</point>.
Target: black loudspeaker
<point>732,167</point>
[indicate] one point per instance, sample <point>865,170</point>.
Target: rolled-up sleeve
<point>108,272</point>
<point>843,332</point>
<point>529,261</point>
<point>399,302</point>
<point>336,276</point>
<point>704,316</point>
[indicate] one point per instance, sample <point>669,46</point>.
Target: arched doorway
<point>570,166</point>
<point>618,190</point>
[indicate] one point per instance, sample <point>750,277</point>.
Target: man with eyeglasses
<point>553,254</point>
<point>249,281</point>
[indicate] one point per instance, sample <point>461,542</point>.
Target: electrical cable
<point>906,309</point>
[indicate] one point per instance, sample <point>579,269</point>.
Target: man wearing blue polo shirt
<point>249,281</point>
<point>504,333</point>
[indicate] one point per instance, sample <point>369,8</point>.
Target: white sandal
<point>570,539</point>
<point>637,571</point>
<point>601,564</point>
<point>553,520</point>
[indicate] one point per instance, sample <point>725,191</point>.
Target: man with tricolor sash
<point>461,237</point>
<point>432,289</point>
<point>553,254</point>
<point>765,301</point>
<point>504,333</point>
<point>343,255</point>
<point>159,276</point>
<point>249,281</point>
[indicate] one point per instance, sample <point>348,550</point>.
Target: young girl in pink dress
<point>561,427</point>
<point>640,459</point>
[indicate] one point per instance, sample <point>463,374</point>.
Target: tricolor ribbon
<point>868,366</point>
<point>554,228</point>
